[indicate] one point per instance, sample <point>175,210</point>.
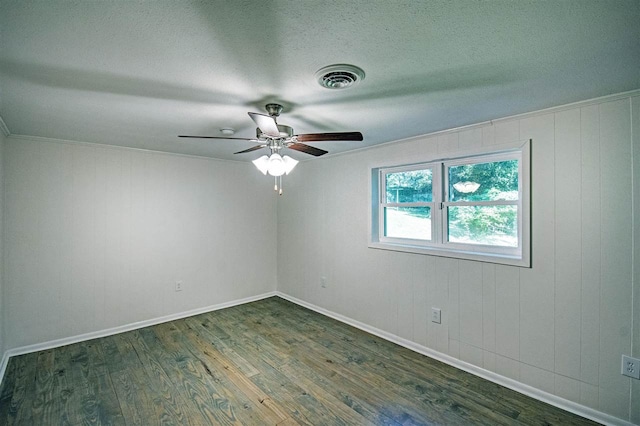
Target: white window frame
<point>383,204</point>
<point>439,244</point>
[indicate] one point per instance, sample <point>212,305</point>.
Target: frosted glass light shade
<point>276,165</point>
<point>262,164</point>
<point>289,163</point>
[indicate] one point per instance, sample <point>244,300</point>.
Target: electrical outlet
<point>178,285</point>
<point>323,282</point>
<point>631,367</point>
<point>436,315</point>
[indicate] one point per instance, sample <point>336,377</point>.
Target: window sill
<point>456,254</point>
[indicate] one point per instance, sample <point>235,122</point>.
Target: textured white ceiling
<point>137,73</point>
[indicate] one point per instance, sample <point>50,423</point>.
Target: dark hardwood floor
<point>263,363</point>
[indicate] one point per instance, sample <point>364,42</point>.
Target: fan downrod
<point>274,110</point>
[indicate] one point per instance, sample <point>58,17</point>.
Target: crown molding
<point>3,127</point>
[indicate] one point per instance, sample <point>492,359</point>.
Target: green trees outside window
<point>473,207</point>
<point>478,222</point>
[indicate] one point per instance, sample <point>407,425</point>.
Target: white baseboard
<point>535,393</point>
<point>121,329</point>
<point>3,128</point>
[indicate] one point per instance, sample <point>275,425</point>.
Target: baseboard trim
<point>123,328</point>
<point>538,394</point>
<point>3,128</point>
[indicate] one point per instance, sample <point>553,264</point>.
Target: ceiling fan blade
<point>253,148</point>
<point>217,137</point>
<point>266,123</point>
<point>307,149</point>
<point>322,137</point>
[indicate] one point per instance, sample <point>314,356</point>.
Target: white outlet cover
<point>436,315</point>
<point>630,367</point>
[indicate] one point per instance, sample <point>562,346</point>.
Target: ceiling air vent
<point>339,76</point>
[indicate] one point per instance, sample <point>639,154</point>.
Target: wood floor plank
<point>93,399</point>
<point>6,388</point>
<point>173,403</point>
<point>43,402</point>
<point>263,363</point>
<point>247,368</point>
<point>67,388</point>
<point>62,390</point>
<point>213,358</point>
<point>101,386</point>
<point>19,411</point>
<point>289,391</point>
<point>213,398</point>
<point>23,377</point>
<point>140,403</point>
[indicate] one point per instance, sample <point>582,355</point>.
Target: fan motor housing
<point>285,132</point>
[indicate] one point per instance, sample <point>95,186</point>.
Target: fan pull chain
<point>277,184</point>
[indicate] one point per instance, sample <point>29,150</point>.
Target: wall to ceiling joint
<point>560,326</point>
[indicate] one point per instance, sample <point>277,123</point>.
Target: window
<point>474,207</point>
<point>408,203</point>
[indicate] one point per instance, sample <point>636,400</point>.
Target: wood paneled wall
<point>96,236</point>
<point>560,326</point>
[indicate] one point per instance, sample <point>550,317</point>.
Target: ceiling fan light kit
<point>275,165</point>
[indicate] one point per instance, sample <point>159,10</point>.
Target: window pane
<point>409,187</point>
<point>408,222</point>
<point>488,225</point>
<point>484,181</point>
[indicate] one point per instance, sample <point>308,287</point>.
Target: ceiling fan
<point>276,136</point>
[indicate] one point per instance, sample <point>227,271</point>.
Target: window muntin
<point>477,207</point>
